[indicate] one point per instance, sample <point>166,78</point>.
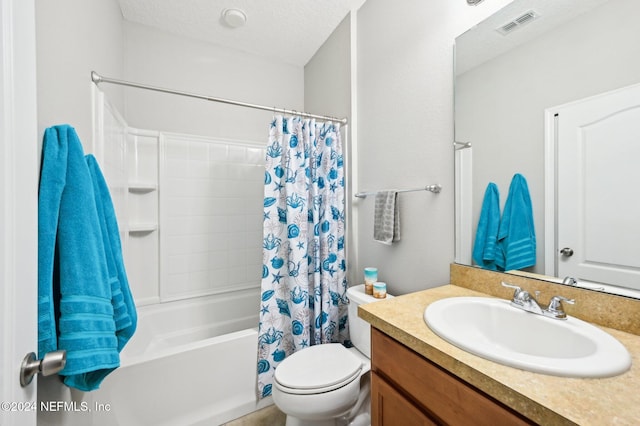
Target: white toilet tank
<point>359,329</point>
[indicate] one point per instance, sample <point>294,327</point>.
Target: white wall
<point>327,80</point>
<point>161,59</point>
<point>75,37</point>
<point>405,132</point>
<point>500,104</point>
<point>327,91</point>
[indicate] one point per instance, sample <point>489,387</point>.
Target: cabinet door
<point>434,390</point>
<point>390,408</point>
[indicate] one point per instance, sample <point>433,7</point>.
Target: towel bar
<point>431,188</point>
<point>461,145</point>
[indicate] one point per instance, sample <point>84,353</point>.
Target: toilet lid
<point>318,368</point>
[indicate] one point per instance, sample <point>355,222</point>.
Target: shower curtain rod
<point>97,79</point>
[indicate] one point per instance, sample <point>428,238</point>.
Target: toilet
<point>336,391</point>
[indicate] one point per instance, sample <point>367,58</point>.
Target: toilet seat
<point>317,369</point>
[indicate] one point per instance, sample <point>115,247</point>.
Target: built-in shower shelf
<point>142,187</point>
<point>142,228</point>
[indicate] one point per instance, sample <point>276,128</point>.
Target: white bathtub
<point>185,366</point>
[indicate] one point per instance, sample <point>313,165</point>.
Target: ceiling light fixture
<point>474,2</point>
<point>234,18</point>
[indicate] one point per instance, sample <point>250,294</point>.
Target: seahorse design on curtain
<point>303,299</point>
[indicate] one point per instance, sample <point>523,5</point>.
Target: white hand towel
<point>386,222</point>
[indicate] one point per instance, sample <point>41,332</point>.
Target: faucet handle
<point>558,299</point>
<point>520,297</point>
<point>517,290</point>
<point>511,286</point>
<point>555,306</point>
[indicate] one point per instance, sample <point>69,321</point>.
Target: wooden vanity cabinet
<point>407,389</point>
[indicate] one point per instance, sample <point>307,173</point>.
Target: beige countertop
<point>547,400</point>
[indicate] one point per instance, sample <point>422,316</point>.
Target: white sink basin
<point>495,330</point>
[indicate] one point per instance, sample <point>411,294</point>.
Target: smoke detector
<point>233,18</point>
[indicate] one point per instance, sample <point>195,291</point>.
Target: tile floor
<point>268,416</point>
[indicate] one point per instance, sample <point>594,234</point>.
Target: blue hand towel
<point>485,246</point>
<point>517,237</point>
<point>75,294</point>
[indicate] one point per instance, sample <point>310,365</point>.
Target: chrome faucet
<point>555,309</point>
<point>570,281</point>
<point>522,299</point>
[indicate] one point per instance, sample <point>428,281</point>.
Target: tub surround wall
<point>189,209</point>
<point>547,400</point>
<point>140,212</point>
<point>211,213</point>
<point>129,162</point>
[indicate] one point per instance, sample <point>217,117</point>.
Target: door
<point>598,207</point>
<point>18,208</point>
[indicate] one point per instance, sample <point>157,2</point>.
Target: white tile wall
<point>211,215</point>
<point>143,251</point>
<point>111,158</point>
<point>206,205</point>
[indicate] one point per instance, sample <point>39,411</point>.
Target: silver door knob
<point>50,364</point>
<point>567,252</point>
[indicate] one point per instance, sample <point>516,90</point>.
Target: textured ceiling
<point>287,30</point>
<point>483,42</point>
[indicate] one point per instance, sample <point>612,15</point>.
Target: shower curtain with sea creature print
<point>304,269</point>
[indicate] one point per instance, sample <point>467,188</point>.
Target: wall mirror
<point>517,75</point>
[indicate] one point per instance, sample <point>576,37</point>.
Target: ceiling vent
<point>518,22</point>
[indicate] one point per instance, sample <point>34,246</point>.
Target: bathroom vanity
<point>420,379</point>
<point>399,395</point>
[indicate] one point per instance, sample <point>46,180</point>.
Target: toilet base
<point>363,419</point>
<point>358,415</point>
<point>294,421</point>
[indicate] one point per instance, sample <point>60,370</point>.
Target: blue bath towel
<point>75,285</point>
<point>124,309</point>
<point>485,246</point>
<point>517,237</point>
